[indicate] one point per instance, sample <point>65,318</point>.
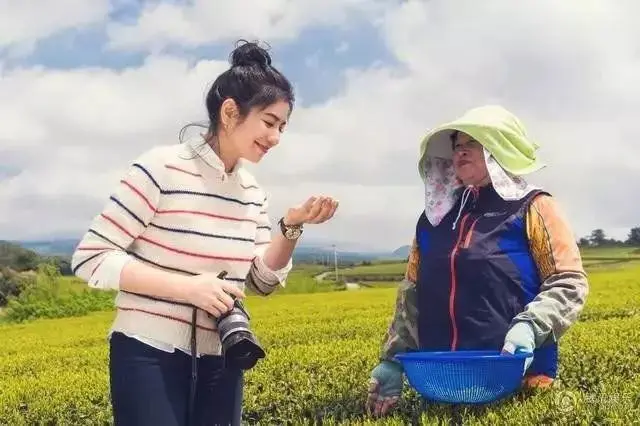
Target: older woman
<point>493,265</point>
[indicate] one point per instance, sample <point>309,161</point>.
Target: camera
<point>240,347</point>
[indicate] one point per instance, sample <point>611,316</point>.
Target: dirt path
<point>349,286</point>
<point>322,275</point>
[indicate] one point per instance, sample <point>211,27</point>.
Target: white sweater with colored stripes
<point>177,209</point>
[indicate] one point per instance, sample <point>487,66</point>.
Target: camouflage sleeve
<point>564,286</point>
<point>402,333</point>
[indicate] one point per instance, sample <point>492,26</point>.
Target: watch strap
<point>287,230</point>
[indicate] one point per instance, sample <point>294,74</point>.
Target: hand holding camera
<point>212,294</point>
<point>223,301</point>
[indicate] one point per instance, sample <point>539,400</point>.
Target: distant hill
<point>305,253</point>
<point>19,258</point>
<point>402,252</point>
<point>55,247</point>
<point>311,254</point>
<point>16,257</point>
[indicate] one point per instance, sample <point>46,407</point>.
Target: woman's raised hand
<point>315,210</point>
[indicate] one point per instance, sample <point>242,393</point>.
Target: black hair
<point>251,81</point>
<point>452,137</point>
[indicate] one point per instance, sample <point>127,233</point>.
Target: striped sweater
<point>177,209</point>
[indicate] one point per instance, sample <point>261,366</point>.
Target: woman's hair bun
<point>248,54</point>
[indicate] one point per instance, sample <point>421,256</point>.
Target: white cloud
<point>23,23</point>
<point>204,21</point>
<point>569,70</point>
<point>73,132</point>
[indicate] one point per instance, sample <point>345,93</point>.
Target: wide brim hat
<point>509,154</point>
<point>499,131</point>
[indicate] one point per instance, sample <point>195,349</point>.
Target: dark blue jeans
<point>152,387</point>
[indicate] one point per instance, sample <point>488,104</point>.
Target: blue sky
<point>315,60</point>
<point>83,80</point>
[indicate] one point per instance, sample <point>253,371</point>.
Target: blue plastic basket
<point>464,377</point>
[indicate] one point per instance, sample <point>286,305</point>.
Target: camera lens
<point>240,347</point>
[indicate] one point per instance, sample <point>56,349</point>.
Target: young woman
<point>182,217</point>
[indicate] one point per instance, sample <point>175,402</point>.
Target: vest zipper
<point>467,240</point>
<point>452,290</point>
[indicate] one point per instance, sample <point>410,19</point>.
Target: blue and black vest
<point>472,280</point>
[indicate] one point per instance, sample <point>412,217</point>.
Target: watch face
<point>292,233</point>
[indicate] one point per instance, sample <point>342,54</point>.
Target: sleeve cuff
<point>107,275</point>
<point>270,276</point>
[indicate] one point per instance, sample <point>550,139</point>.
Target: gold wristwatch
<point>290,232</point>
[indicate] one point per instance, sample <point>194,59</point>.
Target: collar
<point>204,151</point>
<point>477,192</point>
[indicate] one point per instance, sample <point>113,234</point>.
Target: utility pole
<point>335,262</point>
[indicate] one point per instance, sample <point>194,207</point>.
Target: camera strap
<point>194,350</point>
<point>194,367</point>
<point>194,361</point>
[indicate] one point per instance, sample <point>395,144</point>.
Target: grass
<point>393,271</point>
<point>610,252</point>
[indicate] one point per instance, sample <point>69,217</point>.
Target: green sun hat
<point>497,129</point>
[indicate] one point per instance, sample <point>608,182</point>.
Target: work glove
<point>385,387</point>
<point>520,338</point>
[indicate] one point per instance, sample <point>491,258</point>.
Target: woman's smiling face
<point>254,135</point>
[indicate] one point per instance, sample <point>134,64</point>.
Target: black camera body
<point>240,347</point>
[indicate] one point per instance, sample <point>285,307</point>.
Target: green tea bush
<point>320,351</point>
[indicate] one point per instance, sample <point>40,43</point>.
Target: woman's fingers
<point>378,409</point>
<point>217,304</point>
<point>388,404</point>
<point>325,211</point>
<point>376,404</point>
<point>212,310</point>
<point>372,395</point>
<point>309,203</point>
<point>232,289</point>
<point>315,210</point>
<point>328,211</point>
<point>225,299</point>
<point>227,302</point>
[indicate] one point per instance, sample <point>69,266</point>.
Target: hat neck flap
<point>442,187</point>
